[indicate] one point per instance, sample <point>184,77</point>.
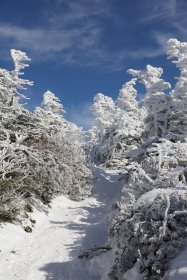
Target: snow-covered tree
<point>50,113</point>
<point>14,154</point>
<point>128,125</point>
<point>51,103</point>
<point>51,116</point>
<point>117,127</point>
<point>126,99</point>
<point>103,110</point>
<point>178,122</point>
<point>156,101</point>
<point>11,84</point>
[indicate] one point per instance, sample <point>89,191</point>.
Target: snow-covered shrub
<point>161,170</point>
<point>60,169</point>
<point>150,232</point>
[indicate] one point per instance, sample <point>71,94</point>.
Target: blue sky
<point>81,47</point>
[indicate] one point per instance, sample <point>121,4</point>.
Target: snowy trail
<point>178,266</point>
<point>50,252</point>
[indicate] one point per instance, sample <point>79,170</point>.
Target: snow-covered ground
<point>178,267</point>
<point>51,251</point>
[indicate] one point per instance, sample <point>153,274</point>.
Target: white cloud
<point>159,11</point>
<point>72,33</point>
<point>76,46</point>
<point>48,41</point>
